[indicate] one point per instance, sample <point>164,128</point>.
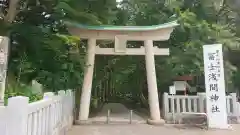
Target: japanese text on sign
<point>213,77</point>
<point>215,86</point>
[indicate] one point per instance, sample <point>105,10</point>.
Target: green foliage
<point>21,90</point>
<point>201,23</point>
<point>42,49</point>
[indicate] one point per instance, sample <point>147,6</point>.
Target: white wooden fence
<point>53,115</point>
<point>196,103</point>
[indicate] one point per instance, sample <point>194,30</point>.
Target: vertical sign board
<point>215,86</point>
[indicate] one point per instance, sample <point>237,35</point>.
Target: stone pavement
<point>144,129</point>
<point>119,114</point>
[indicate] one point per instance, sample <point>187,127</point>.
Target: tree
<point>48,53</point>
<point>201,22</point>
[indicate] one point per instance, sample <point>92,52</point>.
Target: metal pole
<point>108,115</point>
<point>130,117</point>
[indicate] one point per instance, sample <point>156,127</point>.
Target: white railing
<point>238,108</point>
<point>195,103</point>
<point>53,115</point>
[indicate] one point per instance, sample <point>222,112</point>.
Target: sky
<point>118,0</point>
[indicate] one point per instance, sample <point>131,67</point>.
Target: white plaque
<point>120,44</point>
<point>215,86</point>
<point>172,90</point>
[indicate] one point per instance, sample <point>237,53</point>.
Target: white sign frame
<point>215,86</point>
<point>180,85</point>
<point>172,90</point>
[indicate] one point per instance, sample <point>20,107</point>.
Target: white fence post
<point>233,107</point>
<point>1,102</point>
<point>165,104</point>
<point>48,95</point>
<point>69,106</point>
<point>234,104</point>
<point>238,112</point>
<point>63,110</point>
<point>74,106</point>
<point>63,96</point>
<point>201,102</point>
<point>49,115</point>
<point>17,115</point>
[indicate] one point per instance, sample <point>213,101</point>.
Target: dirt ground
<point>144,129</point>
<point>119,125</point>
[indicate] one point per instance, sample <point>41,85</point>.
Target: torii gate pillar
<point>152,83</point>
<point>121,34</point>
<point>87,81</point>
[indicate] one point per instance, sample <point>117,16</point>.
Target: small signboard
<point>215,86</point>
<point>172,90</point>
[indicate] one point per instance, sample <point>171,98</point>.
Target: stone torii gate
<point>122,34</point>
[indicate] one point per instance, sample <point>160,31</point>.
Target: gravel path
<point>143,129</point>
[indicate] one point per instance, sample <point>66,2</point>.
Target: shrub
<point>22,90</point>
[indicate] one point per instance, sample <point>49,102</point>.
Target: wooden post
<point>17,115</point>
<point>152,84</point>
<point>87,82</point>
